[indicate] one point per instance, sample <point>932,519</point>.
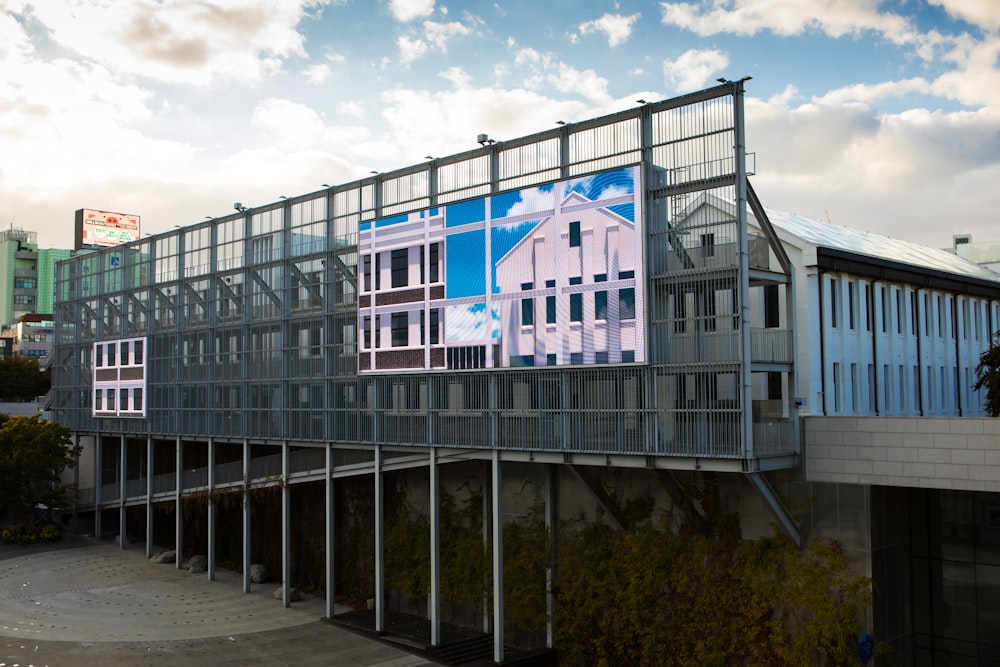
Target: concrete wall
<point>923,452</point>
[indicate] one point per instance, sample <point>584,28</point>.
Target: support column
<point>210,566</point>
<point>98,483</point>
<point>123,471</point>
<point>246,516</point>
<point>497,490</point>
<point>434,604</point>
<point>149,497</point>
<point>379,547</point>
<point>330,606</point>
<point>286,536</point>
<point>179,511</point>
<point>551,524</point>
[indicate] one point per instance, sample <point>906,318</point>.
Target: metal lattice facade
<point>251,321</point>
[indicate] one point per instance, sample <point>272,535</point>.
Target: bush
<point>33,533</point>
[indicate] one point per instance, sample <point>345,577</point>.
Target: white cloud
<point>616,27</point>
<point>692,69</point>
<point>408,10</point>
<point>982,13</point>
<point>786,17</point>
<point>317,74</point>
<point>544,72</point>
<point>869,93</point>
<point>185,41</point>
<point>438,34</point>
<point>410,48</point>
<point>288,124</point>
<point>458,77</point>
<point>896,174</point>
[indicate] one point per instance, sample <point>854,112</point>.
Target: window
<point>576,301</point>
<point>940,314</point>
<point>838,382</point>
<point>527,308</point>
<point>709,302</point>
<point>601,357</point>
<point>435,263</point>
<point>550,359</point>
<point>854,388</point>
<point>774,385</point>
<point>680,312</point>
<point>574,234</point>
<point>111,354</point>
<point>137,352</point>
<point>576,307</point>
<point>708,245</point>
<point>378,331</point>
<point>111,400</point>
<point>628,356</point>
<point>550,304</point>
<point>366,328</point>
<point>576,358</point>
<point>99,356</point>
<point>771,312</point>
<point>99,400</point>
<point>913,313</point>
<point>400,267</point>
<point>886,315</point>
<point>869,296</point>
<point>899,311</point>
<point>626,297</point>
<point>520,361</point>
<point>435,335</point>
<point>600,305</point>
<point>852,301</point>
<point>834,302</point>
<point>400,329</point>
<point>137,399</point>
<point>366,268</point>
<point>378,271</point>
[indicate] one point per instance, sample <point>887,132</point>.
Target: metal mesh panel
<point>252,319</point>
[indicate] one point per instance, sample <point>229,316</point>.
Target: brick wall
<point>929,452</point>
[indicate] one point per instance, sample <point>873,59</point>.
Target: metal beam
<point>780,511</point>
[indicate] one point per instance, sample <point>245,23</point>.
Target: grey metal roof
<point>828,235</point>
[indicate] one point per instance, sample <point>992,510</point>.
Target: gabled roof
<point>836,237</point>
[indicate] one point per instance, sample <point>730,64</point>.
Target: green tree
<point>20,379</point>
<point>33,455</point>
<point>988,377</point>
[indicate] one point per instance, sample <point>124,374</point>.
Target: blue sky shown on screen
<point>879,115</point>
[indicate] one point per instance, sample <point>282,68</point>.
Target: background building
<point>26,275</point>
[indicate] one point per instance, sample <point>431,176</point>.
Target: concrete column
<point>329,534</point>
<point>379,546</point>
<point>551,523</point>
<point>286,536</point>
<point>98,483</point>
<point>149,497</point>
<point>434,604</point>
<point>122,528</point>
<point>210,568</point>
<point>246,516</point>
<point>179,510</point>
<point>497,484</point>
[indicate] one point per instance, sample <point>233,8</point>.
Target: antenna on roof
<point>827,214</point>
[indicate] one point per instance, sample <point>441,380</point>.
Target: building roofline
<point>833,259</point>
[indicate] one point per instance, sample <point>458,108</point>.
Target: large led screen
<point>545,276</point>
<point>102,229</point>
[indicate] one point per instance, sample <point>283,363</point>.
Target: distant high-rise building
<point>26,275</point>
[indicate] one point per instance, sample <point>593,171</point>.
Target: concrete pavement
<point>83,602</point>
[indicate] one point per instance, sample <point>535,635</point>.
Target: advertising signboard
<point>101,229</point>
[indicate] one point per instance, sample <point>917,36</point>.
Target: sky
<point>880,116</point>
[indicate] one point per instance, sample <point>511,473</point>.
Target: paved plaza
<point>82,602</point>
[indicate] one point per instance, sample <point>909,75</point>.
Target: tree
<point>20,379</point>
<point>988,377</point>
<point>33,455</point>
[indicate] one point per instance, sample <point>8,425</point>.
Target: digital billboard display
<point>101,229</point>
<point>550,275</point>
